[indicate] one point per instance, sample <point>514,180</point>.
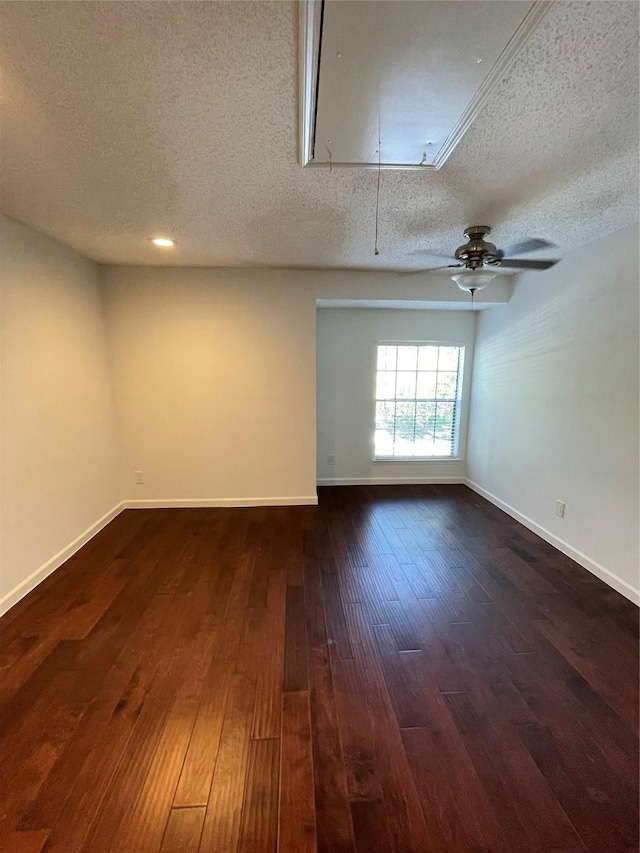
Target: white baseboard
<point>389,481</point>
<point>13,597</point>
<point>18,592</point>
<point>176,503</point>
<point>29,583</point>
<point>586,562</point>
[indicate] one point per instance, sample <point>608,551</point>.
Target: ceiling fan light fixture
<point>473,280</point>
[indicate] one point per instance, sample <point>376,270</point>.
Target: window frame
<point>403,460</point>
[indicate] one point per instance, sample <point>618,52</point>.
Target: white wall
<point>59,461</point>
<point>214,377</point>
<point>214,373</point>
<point>346,342</point>
<point>214,381</point>
<point>554,408</point>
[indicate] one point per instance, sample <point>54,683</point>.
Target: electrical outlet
<point>139,478</point>
<point>560,508</point>
<point>331,459</point>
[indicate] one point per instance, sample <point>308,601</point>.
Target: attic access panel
<point>414,74</point>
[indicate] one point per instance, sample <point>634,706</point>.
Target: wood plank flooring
<point>398,670</point>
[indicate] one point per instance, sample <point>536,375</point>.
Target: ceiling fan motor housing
<point>477,251</point>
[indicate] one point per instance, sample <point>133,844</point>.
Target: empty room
<point>319,426</point>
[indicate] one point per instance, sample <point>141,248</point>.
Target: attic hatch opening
<point>413,74</point>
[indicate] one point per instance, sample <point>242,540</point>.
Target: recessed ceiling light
<point>163,241</point>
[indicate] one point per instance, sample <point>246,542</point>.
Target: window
<point>418,389</point>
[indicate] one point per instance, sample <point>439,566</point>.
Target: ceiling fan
<point>477,253</point>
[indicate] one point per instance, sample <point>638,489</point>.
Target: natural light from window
<point>418,388</point>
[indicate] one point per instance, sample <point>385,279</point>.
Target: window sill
<point>413,459</point>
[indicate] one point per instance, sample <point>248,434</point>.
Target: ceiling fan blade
<point>526,246</point>
<point>429,269</point>
<point>431,254</point>
<point>527,265</point>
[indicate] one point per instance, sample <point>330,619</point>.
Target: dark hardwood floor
<point>399,669</point>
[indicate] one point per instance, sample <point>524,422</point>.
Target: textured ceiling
<point>125,120</point>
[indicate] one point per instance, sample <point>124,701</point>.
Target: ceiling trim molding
<point>310,26</point>
<point>501,66</point>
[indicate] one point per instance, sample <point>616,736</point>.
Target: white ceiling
<point>125,120</point>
